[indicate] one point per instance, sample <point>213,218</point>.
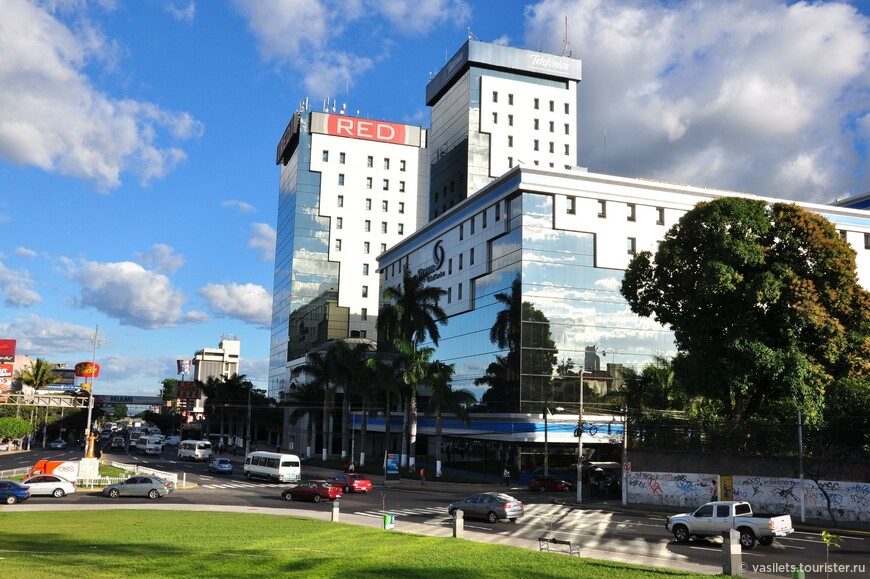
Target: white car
<point>171,440</point>
<point>49,485</point>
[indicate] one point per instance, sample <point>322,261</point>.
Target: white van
<point>150,444</point>
<point>194,450</point>
<point>273,466</point>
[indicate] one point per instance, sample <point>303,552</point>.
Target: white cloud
<point>263,238</point>
<point>25,252</point>
<point>413,16</point>
<point>16,288</point>
<point>131,294</point>
<point>162,258</point>
<point>247,302</point>
<point>182,13</point>
<point>764,96</point>
<point>241,206</point>
<point>47,338</point>
<point>52,116</point>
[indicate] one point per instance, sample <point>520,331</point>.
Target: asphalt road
<point>603,530</point>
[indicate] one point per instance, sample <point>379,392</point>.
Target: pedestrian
<point>714,491</point>
<point>422,476</point>
<point>221,446</point>
<point>278,446</point>
<point>351,467</point>
<point>506,475</point>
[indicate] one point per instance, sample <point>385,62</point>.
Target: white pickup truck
<point>720,516</point>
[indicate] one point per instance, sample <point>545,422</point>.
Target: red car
<point>352,483</point>
<point>312,490</point>
<point>550,483</point>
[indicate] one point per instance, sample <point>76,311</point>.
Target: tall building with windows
<point>495,107</point>
<point>349,189</point>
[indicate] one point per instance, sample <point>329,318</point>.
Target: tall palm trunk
<point>345,417</point>
<point>405,430</point>
<point>438,424</point>
<point>412,427</point>
<point>364,422</point>
<point>327,410</point>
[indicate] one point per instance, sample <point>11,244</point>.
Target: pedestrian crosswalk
<point>537,510</point>
<point>241,485</point>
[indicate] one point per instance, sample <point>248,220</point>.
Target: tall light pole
<point>580,442</point>
<point>546,448</point>
<point>248,434</point>
<point>89,443</point>
<point>625,454</point>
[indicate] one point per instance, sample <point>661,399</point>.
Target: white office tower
<point>494,107</point>
<point>350,188</point>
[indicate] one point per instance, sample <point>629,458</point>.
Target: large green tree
<point>411,313</point>
<point>764,304</point>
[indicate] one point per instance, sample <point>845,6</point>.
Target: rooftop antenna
<point>471,35</point>
<point>566,50</point>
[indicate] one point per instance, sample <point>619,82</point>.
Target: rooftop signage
<point>365,129</point>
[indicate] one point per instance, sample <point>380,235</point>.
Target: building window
<point>341,158</point>
<point>365,291</point>
<point>461,231</point>
<point>567,149</point>
<point>337,245</point>
<point>401,186</point>
<point>552,126</point>
<point>867,241</point>
<point>368,204</point>
<point>364,314</point>
<point>602,208</point>
<point>385,205</point>
<point>471,226</point>
<point>401,229</point>
<point>341,179</point>
<point>471,256</point>
<point>339,222</point>
<point>401,165</point>
<point>510,162</point>
<point>401,206</point>
<point>552,148</point>
<point>632,212</point>
<point>370,161</point>
<point>537,103</point>
<point>497,213</point>
<point>459,292</point>
<point>572,205</point>
<point>384,248</point>
<point>536,124</point>
<point>365,269</point>
<point>510,98</point>
<point>325,156</point>
<point>660,219</point>
<point>386,184</point>
<point>567,129</point>
<point>387,164</point>
<point>383,226</point>
<point>632,246</point>
<point>368,225</point>
<point>368,182</point>
<point>510,120</point>
<point>495,118</point>
<point>567,109</point>
<point>494,96</point>
<point>535,146</point>
<point>510,141</point>
<point>449,295</point>
<point>341,200</point>
<point>483,219</point>
<point>366,247</point>
<point>450,266</point>
<point>460,262</point>
<point>552,106</point>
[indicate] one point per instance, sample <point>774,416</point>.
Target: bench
<point>544,544</point>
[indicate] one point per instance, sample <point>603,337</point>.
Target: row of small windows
<point>370,160</point>
<point>370,183</point>
<point>385,207</point>
<point>535,162</point>
<point>367,226</point>
<point>536,145</point>
<point>536,125</point>
<point>536,102</point>
<point>631,215</point>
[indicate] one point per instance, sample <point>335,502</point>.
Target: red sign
<point>87,370</point>
<point>354,128</point>
<point>6,370</point>
<point>186,390</point>
<point>7,351</point>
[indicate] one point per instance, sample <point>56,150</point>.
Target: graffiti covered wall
<point>849,501</point>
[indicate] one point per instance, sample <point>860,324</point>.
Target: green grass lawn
<point>145,543</point>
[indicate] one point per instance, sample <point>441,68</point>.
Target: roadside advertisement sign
<point>7,351</point>
<point>87,370</point>
<point>183,367</point>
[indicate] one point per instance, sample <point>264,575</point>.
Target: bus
<point>273,466</point>
<point>194,450</point>
<point>150,444</point>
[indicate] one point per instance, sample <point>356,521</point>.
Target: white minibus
<point>194,450</point>
<point>273,466</point>
<point>150,444</point>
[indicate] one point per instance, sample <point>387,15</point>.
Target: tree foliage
<point>11,427</point>
<point>764,304</point>
<point>38,374</point>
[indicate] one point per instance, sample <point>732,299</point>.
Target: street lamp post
<point>580,442</point>
<point>625,454</point>
<point>546,448</point>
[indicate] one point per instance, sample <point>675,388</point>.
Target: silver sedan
<point>49,485</point>
<point>140,486</point>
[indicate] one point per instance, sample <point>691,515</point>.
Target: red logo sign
<point>5,370</point>
<point>87,370</point>
<point>7,351</point>
<point>354,128</point>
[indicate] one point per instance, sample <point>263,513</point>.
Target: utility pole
<point>580,442</point>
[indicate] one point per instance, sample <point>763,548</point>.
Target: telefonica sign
<point>547,62</point>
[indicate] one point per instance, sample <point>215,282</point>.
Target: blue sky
<point>138,187</point>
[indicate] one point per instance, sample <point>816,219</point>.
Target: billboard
<point>183,367</point>
<point>87,370</point>
<point>7,351</point>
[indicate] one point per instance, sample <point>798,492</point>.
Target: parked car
<point>49,485</point>
<point>220,466</point>
<point>312,490</point>
<point>549,483</point>
<point>59,443</point>
<point>713,518</point>
<point>11,492</point>
<point>490,506</point>
<point>351,483</point>
<point>140,486</point>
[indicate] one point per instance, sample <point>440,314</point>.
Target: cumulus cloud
<point>25,252</point>
<point>182,12</point>
<point>52,115</point>
<point>46,338</point>
<point>162,258</point>
<point>247,302</point>
<point>131,294</point>
<point>764,97</point>
<point>241,206</point>
<point>16,288</point>
<point>263,238</point>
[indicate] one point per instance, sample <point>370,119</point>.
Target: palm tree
<point>38,375</point>
<point>444,398</point>
<point>306,400</point>
<point>317,369</point>
<point>348,363</point>
<point>411,315</point>
<point>386,375</point>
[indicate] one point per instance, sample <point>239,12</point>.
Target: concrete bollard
<point>335,511</point>
<point>732,553</point>
<point>458,524</point>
